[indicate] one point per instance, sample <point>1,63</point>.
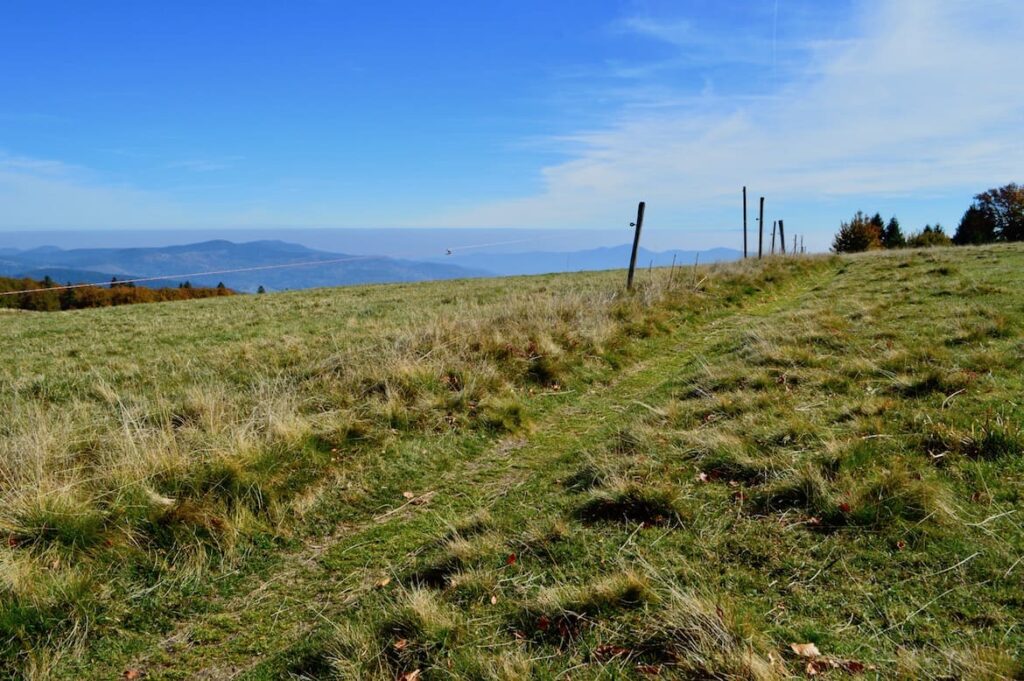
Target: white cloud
<point>39,194</point>
<point>925,97</point>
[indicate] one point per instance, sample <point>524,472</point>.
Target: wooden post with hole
<point>782,237</point>
<point>744,222</point>
<point>636,244</point>
<point>760,231</point>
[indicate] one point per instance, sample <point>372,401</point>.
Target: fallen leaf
<point>702,477</point>
<point>543,623</point>
<point>511,560</point>
<point>411,676</point>
<point>844,507</point>
<point>132,674</point>
<point>383,583</point>
<point>812,669</point>
<point>408,495</point>
<point>494,600</point>
<point>401,644</point>
<point>805,649</point>
<point>652,669</point>
<point>607,651</point>
<point>900,545</point>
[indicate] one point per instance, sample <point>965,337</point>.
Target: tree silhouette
<point>1005,207</point>
<point>892,235</point>
<point>977,226</point>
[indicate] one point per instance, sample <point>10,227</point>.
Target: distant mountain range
<point>306,267</point>
<point>263,258</point>
<point>614,257</point>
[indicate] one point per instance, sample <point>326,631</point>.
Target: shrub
<point>859,234</point>
<point>929,236</point>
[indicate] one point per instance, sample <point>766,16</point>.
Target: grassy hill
<point>538,477</point>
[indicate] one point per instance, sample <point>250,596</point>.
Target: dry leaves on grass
<point>817,664</point>
<point>805,649</point>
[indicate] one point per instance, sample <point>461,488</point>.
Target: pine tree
<point>892,236</point>
<point>977,226</point>
<point>261,290</point>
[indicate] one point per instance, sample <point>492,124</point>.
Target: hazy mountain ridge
<point>278,265</point>
<point>187,261</point>
<point>605,258</point>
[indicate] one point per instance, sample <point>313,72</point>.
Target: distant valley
<point>279,265</point>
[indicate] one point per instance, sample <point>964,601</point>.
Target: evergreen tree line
<point>995,215</point>
<point>118,293</point>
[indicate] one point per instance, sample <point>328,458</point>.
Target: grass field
<point>536,477</point>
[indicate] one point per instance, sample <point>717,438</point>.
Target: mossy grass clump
<point>630,501</point>
<point>562,611</point>
<point>58,517</point>
<point>417,631</point>
<point>698,639</point>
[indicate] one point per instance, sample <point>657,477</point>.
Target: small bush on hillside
<point>930,236</point>
<point>859,234</point>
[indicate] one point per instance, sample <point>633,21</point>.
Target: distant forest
<point>997,215</point>
<point>116,293</point>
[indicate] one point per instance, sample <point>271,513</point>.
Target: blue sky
<point>134,115</point>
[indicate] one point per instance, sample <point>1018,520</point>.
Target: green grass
<point>523,478</point>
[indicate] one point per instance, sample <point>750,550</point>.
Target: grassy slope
<point>828,453</point>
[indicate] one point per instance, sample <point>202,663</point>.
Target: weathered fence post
<point>672,272</point>
<point>782,237</point>
<point>774,224</point>
<point>794,245</point>
<point>636,244</point>
<point>744,222</point>
<point>760,230</point>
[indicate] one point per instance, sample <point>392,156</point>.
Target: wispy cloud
<point>923,96</point>
<point>42,193</point>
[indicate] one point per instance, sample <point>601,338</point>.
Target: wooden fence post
<point>774,225</point>
<point>760,231</point>
<point>782,237</point>
<point>636,244</point>
<point>744,222</point>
